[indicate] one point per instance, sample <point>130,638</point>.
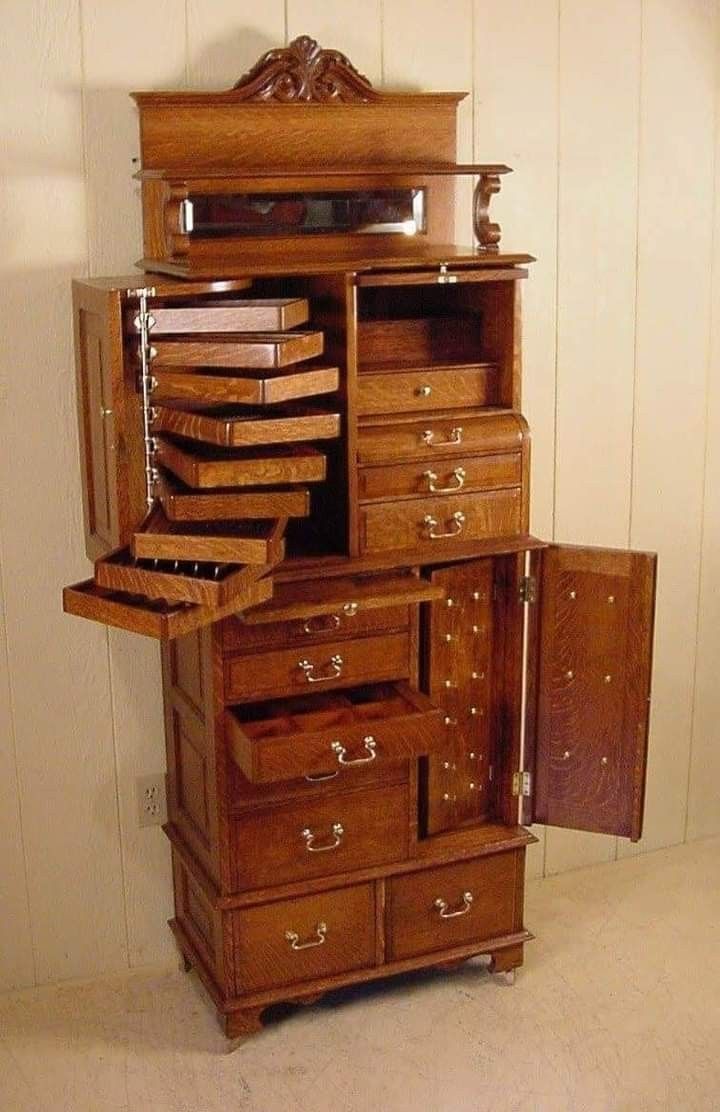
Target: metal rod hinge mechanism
<point>142,325</point>
<point>528,589</point>
<point>522,784</point>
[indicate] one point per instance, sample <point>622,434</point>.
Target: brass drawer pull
<point>370,746</point>
<point>337,831</point>
<point>424,391</point>
<point>456,435</point>
<point>335,666</point>
<point>459,475</point>
<point>443,911</point>
<point>322,776</point>
<point>456,523</point>
<point>322,623</point>
<point>294,938</point>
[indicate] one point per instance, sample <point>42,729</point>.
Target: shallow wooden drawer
<point>318,837</point>
<point>440,476</point>
<point>201,466</point>
<point>183,504</point>
<point>251,315</point>
<point>441,520</point>
<point>242,426</point>
<point>254,349</point>
<point>240,636</point>
<point>247,389</point>
<point>453,905</point>
<point>306,939</point>
<point>427,390</point>
<point>243,795</point>
<point>346,730</point>
<point>437,437</point>
<point>336,664</point>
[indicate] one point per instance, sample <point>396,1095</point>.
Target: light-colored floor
<point>617,1008</point>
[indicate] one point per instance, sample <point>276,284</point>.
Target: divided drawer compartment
<point>344,731</point>
<point>305,939</point>
<point>316,837</point>
<point>454,905</point>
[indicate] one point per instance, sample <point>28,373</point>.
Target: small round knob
<point>424,391</point>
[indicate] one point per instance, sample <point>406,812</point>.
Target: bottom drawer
<point>304,939</point>
<point>453,905</point>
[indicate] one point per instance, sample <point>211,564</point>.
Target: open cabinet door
<point>593,688</point>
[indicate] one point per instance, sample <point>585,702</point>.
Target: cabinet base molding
<point>241,1016</point>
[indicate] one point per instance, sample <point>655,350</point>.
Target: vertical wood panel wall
<point>608,111</point>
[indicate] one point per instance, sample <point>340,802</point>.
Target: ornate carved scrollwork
<point>486,232</point>
<point>304,72</point>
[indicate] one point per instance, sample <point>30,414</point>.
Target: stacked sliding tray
<point>233,452</point>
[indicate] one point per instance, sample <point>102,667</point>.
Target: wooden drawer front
<point>406,391</point>
<point>437,437</point>
<point>306,939</point>
<point>243,427</point>
<point>252,315</point>
<point>453,905</point>
<point>244,388</point>
<point>441,521</point>
<point>319,837</point>
<point>286,739</point>
<point>337,664</point>
<point>243,795</point>
<point>274,349</point>
<point>203,467</point>
<point>440,476</point>
<point>239,636</point>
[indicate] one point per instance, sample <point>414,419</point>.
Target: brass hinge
<point>528,589</point>
<point>522,783</point>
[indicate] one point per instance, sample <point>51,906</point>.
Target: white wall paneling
<point>613,191</point>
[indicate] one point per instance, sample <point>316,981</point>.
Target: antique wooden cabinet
<point>306,471</point>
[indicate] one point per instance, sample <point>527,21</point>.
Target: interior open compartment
<point>443,322</point>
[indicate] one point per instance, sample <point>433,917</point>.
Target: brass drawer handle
<point>456,523</point>
<point>322,776</point>
<point>335,666</point>
<point>370,746</point>
<point>459,475</point>
<point>321,623</point>
<point>294,938</point>
<point>456,435</point>
<point>443,907</point>
<point>337,831</point>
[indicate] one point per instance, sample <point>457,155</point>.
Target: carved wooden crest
<point>303,71</point>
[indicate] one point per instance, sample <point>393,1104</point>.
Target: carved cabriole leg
<point>486,232</point>
<point>238,1025</point>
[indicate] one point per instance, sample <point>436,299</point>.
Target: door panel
<point>594,663</point>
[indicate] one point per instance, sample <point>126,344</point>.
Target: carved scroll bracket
<point>304,72</point>
<point>487,233</point>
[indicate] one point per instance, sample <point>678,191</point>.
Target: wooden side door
<point>592,689</point>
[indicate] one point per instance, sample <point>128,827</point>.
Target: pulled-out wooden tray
<point>203,582</point>
<point>266,314</point>
<point>251,349</point>
<point>183,504</point>
<point>201,466</point>
<point>246,542</point>
<point>237,427</point>
<point>266,389</point>
<point>153,617</point>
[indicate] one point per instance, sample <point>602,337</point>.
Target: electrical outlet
<point>151,800</point>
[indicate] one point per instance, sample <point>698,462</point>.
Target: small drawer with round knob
<point>428,389</point>
<point>320,836</point>
<point>454,905</point>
